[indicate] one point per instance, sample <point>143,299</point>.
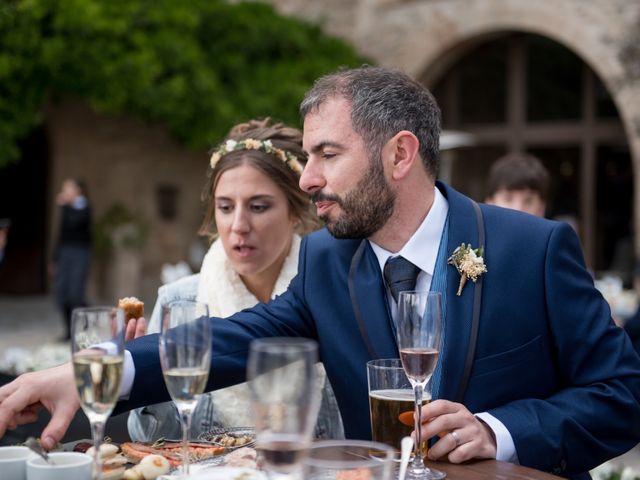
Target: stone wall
<point>125,160</point>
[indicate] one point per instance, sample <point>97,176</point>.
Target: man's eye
<point>327,155</point>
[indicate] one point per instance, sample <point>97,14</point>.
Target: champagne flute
<point>419,330</point>
<point>285,397</point>
<point>97,348</point>
<point>185,353</point>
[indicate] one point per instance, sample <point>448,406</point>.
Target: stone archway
<point>422,37</point>
<point>516,92</point>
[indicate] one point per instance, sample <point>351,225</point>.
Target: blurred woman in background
<point>72,254</point>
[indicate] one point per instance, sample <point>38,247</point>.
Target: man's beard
<point>365,208</point>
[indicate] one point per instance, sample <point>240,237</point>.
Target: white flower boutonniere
<point>469,263</point>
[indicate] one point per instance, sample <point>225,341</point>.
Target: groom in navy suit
<point>532,368</point>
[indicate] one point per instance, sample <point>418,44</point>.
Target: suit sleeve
<point>285,316</point>
<point>595,413</point>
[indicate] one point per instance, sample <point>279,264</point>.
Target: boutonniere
<point>469,263</point>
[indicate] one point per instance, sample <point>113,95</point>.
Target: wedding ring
<point>456,437</point>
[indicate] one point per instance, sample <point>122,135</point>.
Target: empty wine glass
<point>285,397</point>
<point>185,353</point>
<point>419,329</point>
<point>97,349</point>
<point>341,459</point>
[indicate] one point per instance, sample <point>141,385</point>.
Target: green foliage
<point>196,66</point>
<point>119,227</point>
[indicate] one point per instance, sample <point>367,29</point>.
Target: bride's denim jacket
<point>162,420</point>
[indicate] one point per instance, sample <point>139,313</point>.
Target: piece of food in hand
<point>406,418</point>
<point>133,308</point>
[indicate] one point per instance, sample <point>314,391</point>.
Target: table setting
<point>285,398</point>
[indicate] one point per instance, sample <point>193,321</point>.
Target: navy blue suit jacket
<point>548,361</point>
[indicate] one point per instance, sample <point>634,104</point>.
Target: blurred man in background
<point>519,181</point>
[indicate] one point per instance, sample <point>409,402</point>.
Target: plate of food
<point>230,438</point>
<point>144,460</point>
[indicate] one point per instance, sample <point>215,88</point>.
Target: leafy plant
<point>196,67</point>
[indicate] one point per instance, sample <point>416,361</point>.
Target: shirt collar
<point>422,247</point>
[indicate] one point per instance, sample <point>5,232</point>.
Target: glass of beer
<point>391,402</point>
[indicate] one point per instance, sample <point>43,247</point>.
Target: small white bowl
<point>13,461</point>
<point>66,466</point>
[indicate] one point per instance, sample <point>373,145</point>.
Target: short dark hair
<point>518,171</point>
<point>384,102</point>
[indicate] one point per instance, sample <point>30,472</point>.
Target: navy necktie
<point>400,275</point>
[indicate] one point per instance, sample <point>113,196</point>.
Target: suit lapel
<point>368,299</point>
<point>458,326</point>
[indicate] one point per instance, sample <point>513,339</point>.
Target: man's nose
<point>311,179</point>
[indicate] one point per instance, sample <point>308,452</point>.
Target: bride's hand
<point>136,327</point>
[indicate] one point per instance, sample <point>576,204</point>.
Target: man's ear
<point>402,153</point>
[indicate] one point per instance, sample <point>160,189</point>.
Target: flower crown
<point>252,144</point>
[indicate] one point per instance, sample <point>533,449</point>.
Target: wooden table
<point>489,470</point>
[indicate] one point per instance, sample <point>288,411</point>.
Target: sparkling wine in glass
<point>285,397</point>
<point>97,349</point>
<point>185,353</point>
<point>419,329</point>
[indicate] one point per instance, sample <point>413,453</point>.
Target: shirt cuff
<point>505,448</point>
<point>128,374</point>
<point>128,368</point>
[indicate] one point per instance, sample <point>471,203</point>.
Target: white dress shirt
<point>422,251</point>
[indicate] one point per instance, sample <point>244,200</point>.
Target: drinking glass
<point>285,397</point>
<point>336,459</point>
<point>392,403</point>
<point>97,349</point>
<point>185,353</point>
<point>419,329</point>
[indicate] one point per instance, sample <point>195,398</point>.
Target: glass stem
<point>185,419</point>
<point>418,462</point>
<point>97,432</point>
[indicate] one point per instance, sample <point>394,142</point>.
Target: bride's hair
<point>282,137</point>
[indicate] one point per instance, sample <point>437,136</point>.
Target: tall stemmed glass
<point>185,353</point>
<point>285,397</point>
<point>97,349</point>
<point>419,330</point>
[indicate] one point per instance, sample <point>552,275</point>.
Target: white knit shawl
<point>222,289</point>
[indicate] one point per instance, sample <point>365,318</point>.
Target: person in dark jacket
<point>73,250</point>
<point>5,223</point>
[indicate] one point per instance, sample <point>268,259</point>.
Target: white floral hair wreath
<point>252,144</point>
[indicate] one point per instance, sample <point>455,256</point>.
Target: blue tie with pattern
<point>400,275</point>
